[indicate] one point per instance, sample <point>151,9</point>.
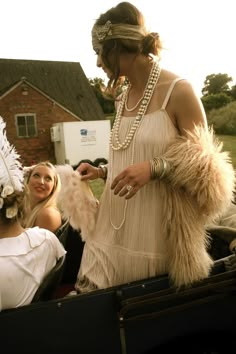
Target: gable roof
<point>65,82</point>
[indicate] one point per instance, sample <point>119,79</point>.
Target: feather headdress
<point>11,171</point>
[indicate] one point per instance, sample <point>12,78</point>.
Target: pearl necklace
<point>126,101</point>
<point>148,92</point>
<point>152,81</point>
<point>119,226</point>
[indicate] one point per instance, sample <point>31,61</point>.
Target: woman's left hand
<point>129,181</point>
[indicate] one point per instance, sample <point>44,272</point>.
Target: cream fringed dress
<point>128,242</point>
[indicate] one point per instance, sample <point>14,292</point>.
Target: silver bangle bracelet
<point>160,168</point>
<point>104,171</point>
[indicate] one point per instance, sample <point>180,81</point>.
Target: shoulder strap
<point>172,85</point>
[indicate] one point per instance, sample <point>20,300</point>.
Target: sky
<point>198,35</point>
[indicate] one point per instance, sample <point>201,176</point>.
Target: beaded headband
<point>101,33</point>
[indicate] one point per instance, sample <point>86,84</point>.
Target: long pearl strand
<point>148,92</point>
<point>152,81</point>
<point>126,101</point>
<point>119,226</point>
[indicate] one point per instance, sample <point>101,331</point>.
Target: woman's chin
<point>39,197</point>
<point>108,74</point>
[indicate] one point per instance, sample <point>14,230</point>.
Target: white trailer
<point>76,141</point>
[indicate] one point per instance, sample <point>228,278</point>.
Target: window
<point>26,125</point>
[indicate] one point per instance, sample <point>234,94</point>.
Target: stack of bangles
<point>102,168</point>
<point>160,168</point>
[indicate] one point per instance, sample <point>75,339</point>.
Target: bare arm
<point>49,218</point>
<point>186,107</point>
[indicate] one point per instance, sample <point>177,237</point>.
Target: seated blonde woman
<point>43,186</point>
<point>26,255</point>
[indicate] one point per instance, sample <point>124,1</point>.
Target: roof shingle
<point>64,82</point>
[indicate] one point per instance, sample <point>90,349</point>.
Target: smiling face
<point>41,183</point>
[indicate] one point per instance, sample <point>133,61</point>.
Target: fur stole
<point>199,189</point>
<point>76,201</point>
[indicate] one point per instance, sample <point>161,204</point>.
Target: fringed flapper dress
<point>128,242</point>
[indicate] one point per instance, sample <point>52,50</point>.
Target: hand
<point>87,171</point>
<point>134,177</point>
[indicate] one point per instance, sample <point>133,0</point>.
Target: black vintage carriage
<point>142,317</point>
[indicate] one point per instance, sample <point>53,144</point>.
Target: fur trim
<point>228,218</point>
<point>199,188</point>
<point>187,240</point>
<point>201,167</point>
<point>76,201</point>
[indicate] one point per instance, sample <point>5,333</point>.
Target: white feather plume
<point>76,201</point>
<point>11,171</point>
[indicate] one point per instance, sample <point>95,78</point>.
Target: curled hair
<point>51,200</point>
<point>151,44</point>
<point>125,13</point>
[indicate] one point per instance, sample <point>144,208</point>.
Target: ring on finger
<point>129,188</point>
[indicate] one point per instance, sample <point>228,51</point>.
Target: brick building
<point>34,95</point>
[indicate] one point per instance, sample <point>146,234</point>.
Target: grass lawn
<point>229,144</point>
<point>97,187</point>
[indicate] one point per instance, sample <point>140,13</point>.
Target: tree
<point>106,101</point>
<point>97,83</point>
<point>233,92</point>
<point>223,119</point>
<point>215,101</point>
<point>216,83</point>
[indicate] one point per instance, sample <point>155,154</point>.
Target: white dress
<point>128,242</point>
<point>24,261</point>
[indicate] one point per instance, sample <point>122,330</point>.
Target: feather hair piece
<point>11,171</point>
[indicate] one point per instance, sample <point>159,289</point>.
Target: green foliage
<point>215,101</point>
<point>223,119</point>
<point>233,92</point>
<point>106,101</point>
<point>97,187</point>
<point>229,144</point>
<point>217,92</point>
<point>216,83</point>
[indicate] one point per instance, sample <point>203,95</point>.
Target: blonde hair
<point>51,200</point>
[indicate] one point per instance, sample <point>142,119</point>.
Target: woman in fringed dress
<point>167,176</point>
